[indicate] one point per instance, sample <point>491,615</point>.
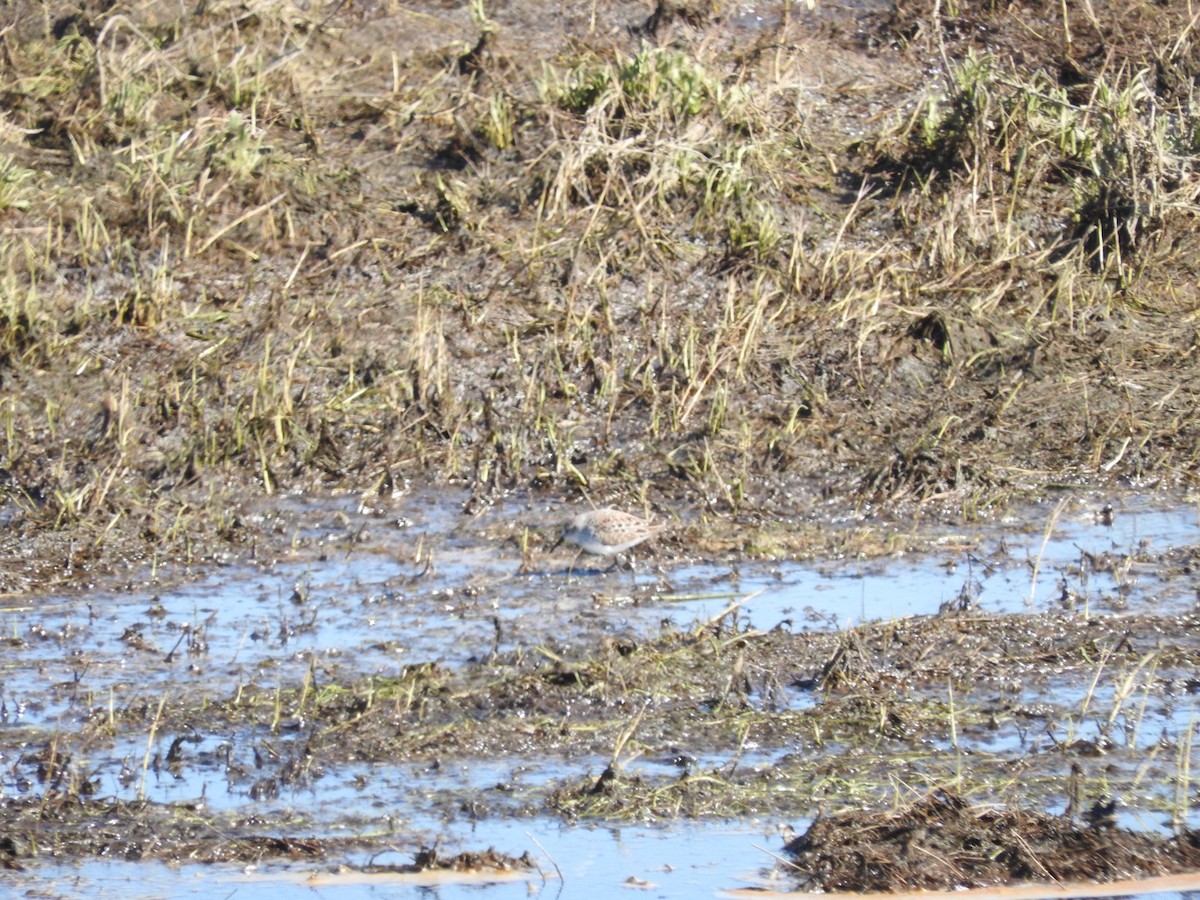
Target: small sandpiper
<point>606,532</point>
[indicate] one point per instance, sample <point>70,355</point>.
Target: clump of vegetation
<point>970,848</point>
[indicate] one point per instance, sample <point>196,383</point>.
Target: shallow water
<point>686,860</point>
<point>369,610</point>
<point>1011,566</point>
<point>346,607</point>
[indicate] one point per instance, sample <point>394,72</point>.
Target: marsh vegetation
<point>784,276</point>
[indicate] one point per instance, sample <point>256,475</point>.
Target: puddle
<point>365,602</point>
<point>686,860</point>
<point>370,611</point>
<point>1004,568</point>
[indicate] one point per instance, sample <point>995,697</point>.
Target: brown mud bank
<point>750,268</point>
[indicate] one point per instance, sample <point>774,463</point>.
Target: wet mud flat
<point>393,680</point>
<point>833,289</point>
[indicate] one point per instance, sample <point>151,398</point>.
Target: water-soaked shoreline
<point>312,711</point>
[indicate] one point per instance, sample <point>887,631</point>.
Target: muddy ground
<point>1050,744</point>
<point>796,280</point>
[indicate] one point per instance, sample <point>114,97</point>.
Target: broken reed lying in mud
<point>880,729</point>
<point>661,258</point>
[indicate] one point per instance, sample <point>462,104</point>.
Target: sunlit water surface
<point>373,607</point>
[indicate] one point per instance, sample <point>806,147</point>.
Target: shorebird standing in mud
<point>606,532</point>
